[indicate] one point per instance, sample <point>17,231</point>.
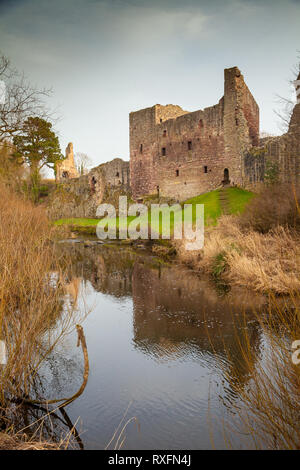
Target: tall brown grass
<point>276,205</point>
<point>268,262</point>
<point>262,262</point>
<point>260,249</point>
<point>267,413</point>
<point>31,293</point>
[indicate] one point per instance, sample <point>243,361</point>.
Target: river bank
<point>161,334</point>
<point>249,241</point>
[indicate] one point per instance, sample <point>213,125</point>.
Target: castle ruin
<point>180,154</point>
<point>66,168</point>
<point>80,196</point>
<point>283,152</point>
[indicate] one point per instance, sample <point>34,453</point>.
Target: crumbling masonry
<point>283,152</point>
<point>178,154</point>
<point>66,168</point>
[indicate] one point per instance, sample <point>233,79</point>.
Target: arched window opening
<point>93,184</point>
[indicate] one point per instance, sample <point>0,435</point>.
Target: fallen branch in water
<point>67,401</point>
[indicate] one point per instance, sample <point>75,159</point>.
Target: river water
<point>158,338</point>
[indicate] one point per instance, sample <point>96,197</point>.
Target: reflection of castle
<point>107,271</point>
<point>175,314</point>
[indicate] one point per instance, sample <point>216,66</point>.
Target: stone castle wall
<point>80,197</point>
<point>179,154</point>
<point>284,151</point>
<point>66,168</point>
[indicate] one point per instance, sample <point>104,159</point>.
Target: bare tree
<point>83,162</point>
<point>22,100</point>
<point>287,104</point>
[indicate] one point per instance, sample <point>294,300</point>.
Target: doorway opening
<point>226,179</point>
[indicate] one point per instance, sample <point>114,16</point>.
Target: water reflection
<point>178,320</point>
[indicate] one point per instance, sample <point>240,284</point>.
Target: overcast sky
<point>104,59</point>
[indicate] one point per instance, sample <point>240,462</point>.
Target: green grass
<point>237,199</point>
<point>212,207</point>
<point>79,221</point>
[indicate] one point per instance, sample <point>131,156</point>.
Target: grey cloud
<point>106,58</point>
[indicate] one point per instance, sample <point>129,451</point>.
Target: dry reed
<point>262,262</point>
<point>33,313</point>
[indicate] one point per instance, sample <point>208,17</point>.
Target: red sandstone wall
<point>185,154</point>
<point>141,127</point>
<point>192,142</point>
<point>241,123</point>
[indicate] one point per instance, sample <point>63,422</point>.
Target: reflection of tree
<point>48,417</point>
<point>175,313</point>
<point>108,270</point>
<point>44,424</point>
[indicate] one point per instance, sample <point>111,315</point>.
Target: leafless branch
<point>21,100</point>
<point>286,105</point>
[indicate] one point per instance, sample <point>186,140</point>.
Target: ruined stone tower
<point>66,169</point>
<point>283,152</point>
<point>181,154</point>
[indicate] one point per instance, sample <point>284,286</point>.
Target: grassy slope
<point>212,207</point>
<point>237,198</point>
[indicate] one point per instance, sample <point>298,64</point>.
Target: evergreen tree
<point>38,147</point>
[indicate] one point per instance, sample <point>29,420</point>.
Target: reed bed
<point>267,412</point>
<point>263,262</point>
<point>33,314</point>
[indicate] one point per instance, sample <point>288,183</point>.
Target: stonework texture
<point>66,168</point>
<point>178,154</point>
<point>80,197</point>
<point>284,151</point>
